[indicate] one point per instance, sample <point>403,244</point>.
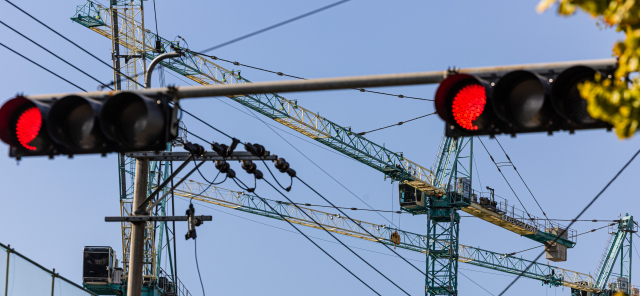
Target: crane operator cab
<point>100,266</point>
<point>410,198</point>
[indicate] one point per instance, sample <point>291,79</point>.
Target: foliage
<point>612,99</point>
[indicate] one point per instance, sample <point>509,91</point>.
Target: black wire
<point>195,243</point>
<point>42,67</point>
<point>274,177</point>
<point>525,183</point>
<point>331,234</point>
<point>55,55</point>
<point>476,283</point>
<point>211,126</point>
<point>296,228</point>
<point>202,139</point>
<point>329,175</point>
<point>275,26</point>
<point>312,143</point>
<point>78,46</point>
<point>302,78</point>
<point>155,16</point>
<point>380,241</point>
<point>590,231</point>
<point>505,178</point>
<point>577,217</point>
<point>399,123</point>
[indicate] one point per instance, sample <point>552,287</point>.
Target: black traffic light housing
<point>516,102</point>
<point>77,124</point>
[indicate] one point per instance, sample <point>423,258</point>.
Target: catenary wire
<point>298,77</point>
<point>525,183</point>
<point>476,283</point>
<point>590,231</point>
<point>292,134</point>
<point>78,46</point>
<point>397,124</point>
<point>275,26</point>
<point>319,167</point>
<point>26,58</point>
<point>334,237</point>
<point>577,217</point>
<point>55,55</point>
<point>206,123</point>
<point>505,178</point>
<point>318,246</point>
<point>367,231</point>
<point>195,244</point>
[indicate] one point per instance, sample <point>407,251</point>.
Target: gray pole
<point>201,91</point>
<point>136,252</point>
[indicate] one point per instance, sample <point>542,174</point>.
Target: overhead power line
<point>590,231</point>
<point>332,235</point>
<point>397,124</point>
<point>525,183</point>
<point>55,55</point>
<point>26,58</point>
<point>78,46</point>
<point>576,218</point>
<point>314,243</point>
<point>275,26</point>
<point>298,77</point>
<point>505,179</point>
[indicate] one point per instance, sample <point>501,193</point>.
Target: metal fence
<point>21,276</point>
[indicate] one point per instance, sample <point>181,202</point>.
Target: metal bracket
<point>212,155</point>
<point>154,218</point>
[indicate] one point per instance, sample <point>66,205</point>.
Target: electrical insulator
<point>255,149</point>
<point>249,166</point>
<point>282,165</point>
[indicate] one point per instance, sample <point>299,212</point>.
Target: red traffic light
<point>461,100</point>
<point>22,124</point>
<point>545,100</point>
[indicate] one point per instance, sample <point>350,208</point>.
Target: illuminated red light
<point>468,104</point>
<point>28,126</point>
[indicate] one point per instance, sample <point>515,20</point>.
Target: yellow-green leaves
<point>612,99</point>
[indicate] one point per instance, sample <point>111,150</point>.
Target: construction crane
<point>618,246</point>
<point>124,27</point>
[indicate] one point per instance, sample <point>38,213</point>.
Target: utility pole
<point>136,259</point>
<point>134,281</point>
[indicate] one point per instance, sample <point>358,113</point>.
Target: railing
<point>503,207</point>
<point>20,275</point>
<point>178,287</point>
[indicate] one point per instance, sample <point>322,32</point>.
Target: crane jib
<point>520,224</point>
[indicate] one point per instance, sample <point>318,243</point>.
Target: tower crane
<point>618,247</point>
<point>438,192</point>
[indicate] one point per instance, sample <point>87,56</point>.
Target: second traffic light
<point>76,124</point>
<point>520,101</point>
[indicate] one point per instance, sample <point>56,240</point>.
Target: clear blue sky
<point>51,209</point>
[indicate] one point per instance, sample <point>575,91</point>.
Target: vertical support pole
<point>134,283</point>
<point>53,281</point>
<point>173,213</point>
<point>6,280</point>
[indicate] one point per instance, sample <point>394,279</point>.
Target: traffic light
<point>76,124</point>
<point>521,101</point>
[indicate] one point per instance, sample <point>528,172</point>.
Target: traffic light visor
<point>520,98</point>
<point>461,99</point>
<point>73,122</point>
<point>22,124</point>
<point>566,96</point>
<point>133,120</point>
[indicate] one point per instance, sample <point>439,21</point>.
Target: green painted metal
<point>87,15</point>
<point>417,242</point>
<point>620,247</point>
